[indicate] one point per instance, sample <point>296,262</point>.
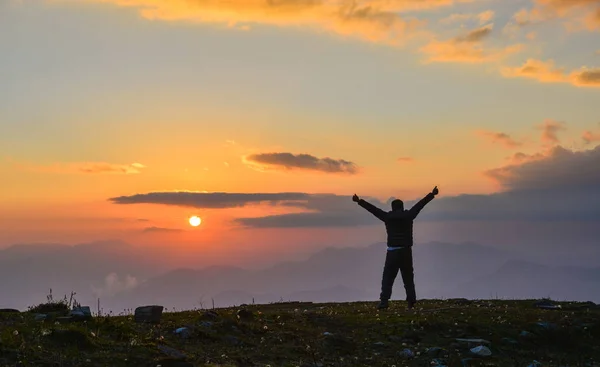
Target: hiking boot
<point>383,304</point>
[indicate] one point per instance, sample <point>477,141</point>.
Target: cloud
<point>560,168</point>
<point>86,168</point>
<point>468,48</point>
<point>520,157</point>
<point>592,21</point>
<point>550,129</point>
<point>501,138</point>
<point>289,161</point>
<point>113,285</point>
<point>542,71</point>
<point>110,168</point>
<point>586,77</point>
<point>482,18</point>
<point>476,35</point>
<point>207,200</point>
<point>554,184</point>
<point>321,210</point>
<point>584,13</point>
<point>590,137</point>
<point>161,230</point>
<point>379,21</point>
<point>406,159</point>
<point>547,72</point>
<point>304,220</point>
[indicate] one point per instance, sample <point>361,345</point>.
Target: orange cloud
<point>467,48</point>
<point>590,137</point>
<point>592,21</point>
<point>550,129</point>
<point>501,138</point>
<point>406,160</point>
<point>483,17</point>
<point>547,72</point>
<point>584,13</point>
<point>371,20</point>
<point>562,6</point>
<point>520,157</point>
<point>87,168</point>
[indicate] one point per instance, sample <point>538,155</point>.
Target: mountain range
<point>124,277</point>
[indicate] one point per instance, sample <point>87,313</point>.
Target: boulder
<point>148,314</point>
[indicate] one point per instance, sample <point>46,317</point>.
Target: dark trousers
<point>398,260</point>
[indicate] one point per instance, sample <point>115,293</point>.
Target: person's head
<point>397,205</point>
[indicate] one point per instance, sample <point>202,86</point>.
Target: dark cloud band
<point>304,161</point>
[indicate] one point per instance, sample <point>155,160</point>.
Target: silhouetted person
<point>399,227</point>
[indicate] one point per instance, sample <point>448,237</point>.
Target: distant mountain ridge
<point>442,270</point>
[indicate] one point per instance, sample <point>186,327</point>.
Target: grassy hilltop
<point>306,334</point>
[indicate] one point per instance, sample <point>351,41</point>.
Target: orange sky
<point>147,96</point>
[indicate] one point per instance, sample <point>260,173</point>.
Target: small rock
<point>327,333</point>
<point>437,363</point>
<point>148,314</point>
<point>509,341</point>
<point>379,344</point>
<point>482,351</point>
<point>206,324</point>
<point>535,364</point>
<point>171,352</point>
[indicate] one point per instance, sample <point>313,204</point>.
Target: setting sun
<point>195,221</point>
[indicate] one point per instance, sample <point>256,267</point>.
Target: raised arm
<point>416,209</point>
<point>380,214</point>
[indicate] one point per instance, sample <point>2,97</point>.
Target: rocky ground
<point>438,333</point>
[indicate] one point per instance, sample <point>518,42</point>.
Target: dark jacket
<point>398,223</point>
